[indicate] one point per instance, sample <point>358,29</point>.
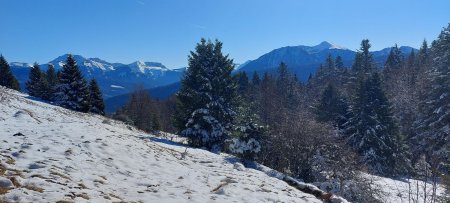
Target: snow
<point>117,86</point>
<point>398,190</point>
<point>55,154</point>
<point>144,67</point>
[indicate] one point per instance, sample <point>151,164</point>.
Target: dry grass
<point>15,182</point>
<point>3,190</point>
<point>99,181</point>
<point>33,187</point>
<point>64,201</point>
<point>55,173</point>
<point>83,195</point>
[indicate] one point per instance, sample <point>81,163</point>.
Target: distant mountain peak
<point>327,45</point>
<point>143,67</point>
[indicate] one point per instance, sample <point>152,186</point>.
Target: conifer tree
<point>242,82</point>
<point>95,98</point>
<point>72,91</point>
<point>332,107</point>
<point>36,83</point>
<point>7,79</point>
<point>434,123</point>
<point>206,106</point>
<point>339,63</point>
<point>372,130</point>
<point>255,79</point>
<point>52,80</point>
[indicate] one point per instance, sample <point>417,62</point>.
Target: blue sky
<point>166,30</point>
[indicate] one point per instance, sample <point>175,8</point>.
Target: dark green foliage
<point>72,91</point>
<point>37,83</point>
<point>434,123</point>
<point>52,80</point>
<point>332,107</point>
<point>242,82</point>
<point>206,99</point>
<point>372,131</point>
<point>255,79</point>
<point>7,79</point>
<point>95,98</point>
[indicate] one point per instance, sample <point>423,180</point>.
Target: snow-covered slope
<point>48,154</point>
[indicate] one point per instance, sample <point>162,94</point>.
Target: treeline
<point>67,87</point>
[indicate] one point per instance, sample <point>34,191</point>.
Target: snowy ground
<point>49,154</point>
<point>405,191</point>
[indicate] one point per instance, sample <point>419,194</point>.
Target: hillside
<point>52,154</point>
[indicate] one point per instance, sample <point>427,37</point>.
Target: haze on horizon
<point>165,31</point>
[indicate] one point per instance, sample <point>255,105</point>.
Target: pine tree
<point>332,107</point>
<point>206,106</point>
<point>7,79</point>
<point>36,82</point>
<point>52,80</point>
<point>255,79</point>
<point>95,98</point>
<point>339,63</point>
<point>243,84</point>
<point>72,91</point>
<point>434,123</point>
<point>372,130</point>
<point>246,138</point>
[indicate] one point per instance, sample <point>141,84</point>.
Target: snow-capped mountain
<point>303,60</point>
<point>113,78</point>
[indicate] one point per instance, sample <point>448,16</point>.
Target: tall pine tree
<point>434,123</point>
<point>72,91</point>
<point>35,83</point>
<point>372,130</point>
<point>7,79</point>
<point>96,98</point>
<point>206,106</point>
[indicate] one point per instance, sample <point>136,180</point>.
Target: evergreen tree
<point>363,64</point>
<point>96,98</point>
<point>255,79</point>
<point>242,82</point>
<point>372,131</point>
<point>393,63</point>
<point>332,107</point>
<point>339,63</point>
<point>206,106</point>
<point>52,80</point>
<point>72,91</point>
<point>248,133</point>
<point>7,79</point>
<point>36,83</point>
<point>434,123</point>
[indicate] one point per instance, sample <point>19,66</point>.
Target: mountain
<point>113,78</point>
<point>51,154</point>
<point>159,93</point>
<point>304,60</point>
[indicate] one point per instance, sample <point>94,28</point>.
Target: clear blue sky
<point>166,30</point>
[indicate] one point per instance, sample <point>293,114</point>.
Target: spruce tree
<point>243,84</point>
<point>7,79</point>
<point>255,79</point>
<point>72,91</point>
<point>36,82</point>
<point>52,80</point>
<point>434,123</point>
<point>339,63</point>
<point>332,107</point>
<point>372,130</point>
<point>206,106</point>
<point>97,105</point>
